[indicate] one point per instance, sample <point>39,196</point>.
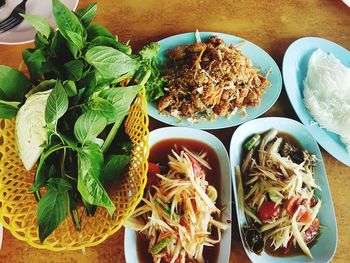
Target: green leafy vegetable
<point>87,14</point>
<point>69,25</point>
<point>90,161</point>
<point>104,108</point>
<point>84,81</point>
<point>34,60</point>
<point>41,24</point>
<point>109,62</point>
<point>53,207</point>
<point>57,104</point>
<point>114,167</point>
<point>70,88</point>
<point>97,30</point>
<point>14,85</point>
<point>88,126</point>
<point>8,109</point>
<point>155,84</point>
<point>74,69</point>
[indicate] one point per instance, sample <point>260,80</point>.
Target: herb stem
<point>76,219</point>
<point>111,136</point>
<point>63,162</point>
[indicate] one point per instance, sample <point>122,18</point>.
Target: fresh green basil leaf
<point>90,161</point>
<point>110,62</point>
<point>70,88</point>
<point>53,207</point>
<point>77,39</point>
<point>43,86</point>
<point>121,98</point>
<point>104,108</point>
<point>34,60</point>
<point>110,42</point>
<point>40,23</point>
<point>57,104</point>
<point>14,85</point>
<point>103,41</point>
<point>74,69</point>
<point>87,14</point>
<point>114,167</point>
<point>58,45</point>
<point>88,126</point>
<point>8,109</point>
<point>40,41</point>
<point>96,30</point>
<point>69,24</point>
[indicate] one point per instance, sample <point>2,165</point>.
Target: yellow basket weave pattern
<point>18,206</point>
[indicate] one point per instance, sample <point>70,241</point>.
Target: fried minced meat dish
<point>210,79</point>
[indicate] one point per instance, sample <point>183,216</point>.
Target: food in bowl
<point>327,94</point>
<point>276,189</point>
<point>180,215</point>
<point>206,80</point>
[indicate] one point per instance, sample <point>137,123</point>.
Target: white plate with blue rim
<point>224,193</point>
<point>324,248</point>
<point>24,32</point>
<point>295,64</point>
<point>260,59</point>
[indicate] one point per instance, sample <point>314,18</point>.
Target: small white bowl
<point>130,248</point>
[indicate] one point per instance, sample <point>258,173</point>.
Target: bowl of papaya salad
<point>283,203</point>
<point>185,213</point>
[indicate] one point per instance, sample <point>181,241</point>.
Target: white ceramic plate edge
<point>225,193</point>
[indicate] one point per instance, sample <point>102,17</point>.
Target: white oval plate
<point>260,59</point>
<point>295,63</point>
<point>325,247</point>
<point>158,135</point>
<point>24,32</point>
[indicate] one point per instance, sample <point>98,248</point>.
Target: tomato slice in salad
<point>269,210</point>
<point>153,170</point>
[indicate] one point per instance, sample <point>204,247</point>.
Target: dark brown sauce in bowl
<point>293,251</point>
<point>159,154</point>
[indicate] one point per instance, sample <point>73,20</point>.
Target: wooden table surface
<point>273,25</point>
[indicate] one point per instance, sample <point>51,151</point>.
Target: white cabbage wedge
<point>30,128</point>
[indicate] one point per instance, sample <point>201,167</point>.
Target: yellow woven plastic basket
<point>18,206</point>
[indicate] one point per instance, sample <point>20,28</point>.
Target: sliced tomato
<point>312,231</point>
<point>304,217</point>
<point>197,170</point>
<point>153,170</point>
<point>269,210</point>
<point>291,205</point>
<point>312,201</point>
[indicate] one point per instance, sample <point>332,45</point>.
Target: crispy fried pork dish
<point>210,79</point>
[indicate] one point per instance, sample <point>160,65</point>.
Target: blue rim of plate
<point>295,60</point>
<point>260,59</point>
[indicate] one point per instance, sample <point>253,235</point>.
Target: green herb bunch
<point>93,80</point>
